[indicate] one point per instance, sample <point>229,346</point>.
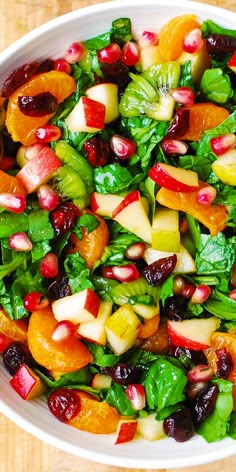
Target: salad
<point>118,232</point>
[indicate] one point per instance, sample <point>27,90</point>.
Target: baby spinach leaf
<point>216,85</point>
<point>117,397</point>
<point>216,254</point>
<point>79,377</point>
<point>40,228</point>
<point>12,223</point>
<point>77,272</point>
<point>114,178</point>
<point>98,42</point>
<point>209,26</point>
<point>121,29</point>
<point>102,356</point>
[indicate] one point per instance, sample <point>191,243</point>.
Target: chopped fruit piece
<point>165,230</point>
<point>27,384</point>
<point>87,116</point>
<point>49,266</point>
<point>174,178</point>
<point>223,143</point>
<point>147,312</point>
<point>122,147</point>
<point>136,394</point>
<point>125,273</point>
<point>94,330</point>
<point>20,242</point>
<point>184,96</point>
<point>4,342</point>
<point>61,65</point>
<point>172,35</point>
<point>193,41</point>
<point>48,198</point>
<point>135,251</point>
<point>206,195</point>
<point>77,308</point>
<point>150,428</point>
<point>10,184</point>
<point>109,54</point>
<point>149,55</point>
<point>13,202</point>
<point>225,167</point>
<point>74,53</point>
<point>174,146</point>
<point>192,334</point>
<point>107,94</point>
<point>149,327</point>
<point>201,294</point>
<point>126,431</point>
<point>148,38</point>
<point>35,301</point>
<point>203,116</point>
<point>130,54</point>
<point>185,263</point>
<point>122,329</point>
<point>200,61</point>
<point>64,330</point>
<point>16,330</point>
<point>105,204</point>
<point>47,133</point>
<point>101,381</point>
<point>232,62</point>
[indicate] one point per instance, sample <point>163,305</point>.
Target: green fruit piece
<point>69,184</point>
<point>122,292</point>
<point>138,95</point>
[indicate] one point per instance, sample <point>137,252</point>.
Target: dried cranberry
<point>46,66</point>
<point>38,105</point>
<point>64,217</point>
<point>18,77</point>
<point>173,309</point>
<point>180,123</point>
<point>157,272</point>
<point>179,425</point>
<point>96,151</point>
<point>123,374</point>
<point>189,356</point>
<point>224,363</point>
<point>15,355</point>
<point>220,44</point>
<point>202,405</point>
<point>59,288</point>
<point>64,404</point>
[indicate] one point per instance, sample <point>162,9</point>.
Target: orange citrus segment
<point>148,328</point>
<point>16,330</point>
<point>10,184</point>
<point>95,416</point>
<point>203,116</point>
<point>157,342</point>
<point>172,35</point>
<point>63,356</point>
<point>92,245</point>
<point>22,127</point>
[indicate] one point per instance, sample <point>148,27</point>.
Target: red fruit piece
<point>49,266</point>
<point>37,105</point>
<point>64,404</point>
<point>18,77</point>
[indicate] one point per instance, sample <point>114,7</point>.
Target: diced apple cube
<point>146,311</point>
<point>126,431</point>
<point>165,230</point>
<point>94,330</point>
<point>150,428</point>
<point>106,93</point>
<point>122,329</point>
<point>225,167</point>
<point>100,381</point>
<point>78,308</point>
<point>185,263</point>
<point>148,56</point>
<point>193,333</point>
<point>200,61</point>
<point>87,116</point>
<point>105,204</point>
<point>27,384</point>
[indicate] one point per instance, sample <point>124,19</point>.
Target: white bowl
<point>50,40</point>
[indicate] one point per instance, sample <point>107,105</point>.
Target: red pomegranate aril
<point>206,195</point>
<point>200,373</point>
<point>125,273</point>
<point>64,404</point>
<point>109,54</point>
<point>188,291</point>
<point>20,242</point>
<point>48,198</point>
<point>61,65</point>
<point>13,202</point>
<point>201,294</point>
<point>4,342</point>
<point>148,38</point>
<point>130,54</point>
<point>135,251</point>
<point>232,294</point>
<point>194,389</point>
<point>33,150</point>
<point>174,146</point>
<point>178,285</point>
<point>35,301</point>
<point>223,143</point>
<point>107,272</point>
<point>136,394</point>
<point>184,96</point>
<point>42,104</point>
<point>64,330</point>
<point>122,147</point>
<point>193,41</point>
<point>47,133</point>
<point>49,266</point>
<point>74,53</point>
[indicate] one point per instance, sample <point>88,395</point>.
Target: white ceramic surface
<point>50,40</point>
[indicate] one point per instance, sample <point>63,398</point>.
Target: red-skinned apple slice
<point>87,116</point>
<point>174,178</point>
<point>27,384</point>
<point>126,431</point>
<point>39,169</point>
<point>192,334</point>
<point>94,331</point>
<point>105,204</point>
<point>77,308</point>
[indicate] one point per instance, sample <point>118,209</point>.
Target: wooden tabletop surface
<point>19,451</point>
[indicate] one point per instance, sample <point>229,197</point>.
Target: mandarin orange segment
<point>95,416</point>
<point>16,330</point>
<point>10,184</point>
<point>157,342</point>
<point>92,245</point>
<point>62,356</point>
<point>204,116</point>
<point>149,327</point>
<point>172,35</point>
<point>22,127</point>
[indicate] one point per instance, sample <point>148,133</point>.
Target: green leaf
<point>121,29</point>
<point>102,356</point>
<point>12,223</point>
<point>79,276</point>
<point>40,228</point>
<point>117,398</point>
<point>215,255</point>
<point>112,178</point>
<point>216,85</point>
<point>98,42</point>
<point>79,377</point>
<point>209,26</point>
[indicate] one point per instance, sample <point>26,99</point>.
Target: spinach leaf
<point>114,253</point>
<point>98,42</point>
<point>79,377</point>
<point>216,85</point>
<point>112,178</point>
<point>79,276</point>
<point>186,78</point>
<point>216,254</point>
<point>117,397</point>
<point>103,287</point>
<point>87,221</point>
<point>40,228</point>
<point>121,30</point>
<point>209,26</point>
<point>102,356</point>
<point>12,223</point>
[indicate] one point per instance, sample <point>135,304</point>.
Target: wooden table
<point>19,451</point>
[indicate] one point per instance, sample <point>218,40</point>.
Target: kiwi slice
<point>149,93</point>
<point>122,292</point>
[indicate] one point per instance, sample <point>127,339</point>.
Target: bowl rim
<point>6,408</point>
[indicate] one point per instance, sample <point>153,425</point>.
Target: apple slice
<point>165,230</point>
<point>131,214</point>
<point>149,55</point>
<point>174,178</point>
<point>94,331</point>
<point>194,333</point>
<point>106,93</point>
<point>77,308</point>
<point>122,329</point>
<point>225,167</point>
<point>185,263</point>
<point>101,381</point>
<point>146,311</point>
<point>150,428</point>
<point>39,169</point>
<point>126,431</point>
<point>200,61</point>
<point>87,116</point>
<point>105,204</point>
<point>27,384</point>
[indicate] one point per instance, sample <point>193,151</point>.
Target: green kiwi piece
<point>122,292</point>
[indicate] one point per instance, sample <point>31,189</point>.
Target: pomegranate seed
<point>108,272</point>
<point>206,195</point>
<point>188,291</point>
<point>35,301</point>
<point>61,65</point>
<point>135,251</point>
<point>200,373</point>
<point>194,389</point>
<point>4,342</point>
<point>130,54</point>
<point>13,202</point>
<point>20,242</point>
<point>33,150</point>
<point>109,54</point>
<point>178,285</point>
<point>125,273</point>
<point>48,198</point>
<point>174,146</point>
<point>201,294</point>
<point>74,53</point>
<point>232,294</point>
<point>64,330</point>
<point>223,143</point>
<point>122,147</point>
<point>184,96</point>
<point>47,133</point>
<point>136,394</point>
<point>193,41</point>
<point>49,266</point>
<point>148,38</point>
